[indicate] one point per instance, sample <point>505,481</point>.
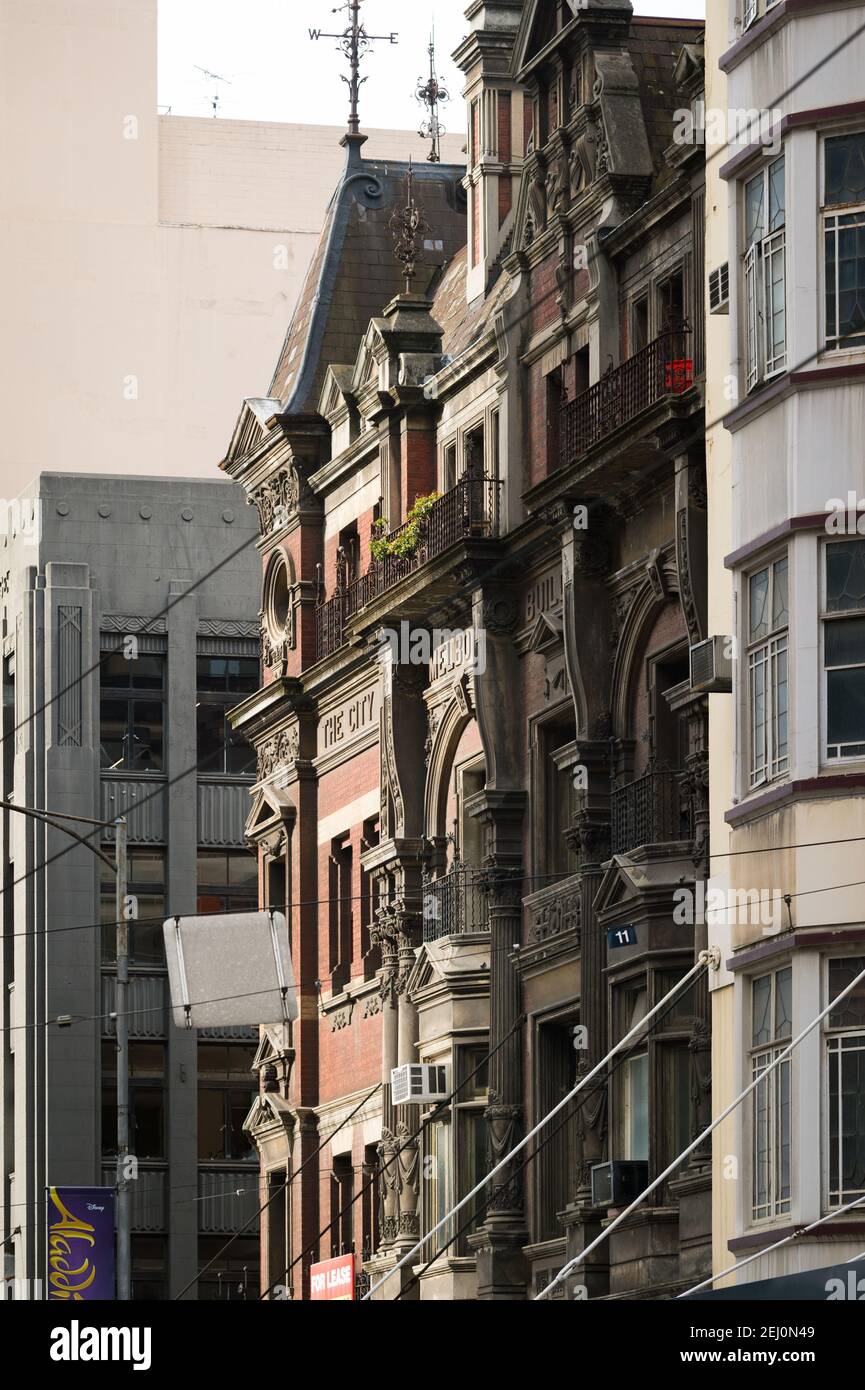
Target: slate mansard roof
<point>354,273</point>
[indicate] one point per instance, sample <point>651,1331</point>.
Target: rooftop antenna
<point>432,93</point>
<point>214,77</point>
<point>355,43</point>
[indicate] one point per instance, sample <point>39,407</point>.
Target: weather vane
<point>408,226</point>
<point>433,94</point>
<point>355,43</point>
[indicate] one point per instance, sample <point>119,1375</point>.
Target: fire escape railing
<point>650,811</point>
<point>663,368</point>
<point>454,904</point>
<point>470,509</point>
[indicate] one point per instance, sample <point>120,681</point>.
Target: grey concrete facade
<point>86,564</point>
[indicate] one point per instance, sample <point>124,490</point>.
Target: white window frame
<point>764,357</point>
<point>760,1057</point>
<point>767,656</point>
<point>835,1195</point>
<point>857,750</point>
<point>756,9</point>
<point>830,217</point>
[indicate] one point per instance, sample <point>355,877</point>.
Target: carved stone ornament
<point>279,499</point>
<point>279,752</point>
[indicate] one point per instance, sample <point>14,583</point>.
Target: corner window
<point>768,642</point>
<point>844,240</point>
<point>844,649</point>
<point>222,684</point>
<point>771,1029</point>
<point>765,274</point>
<point>845,1060</point>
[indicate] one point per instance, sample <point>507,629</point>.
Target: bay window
<point>844,240</point>
<point>845,1061</point>
<point>844,649</point>
<point>770,1034</point>
<point>765,274</point>
<point>768,642</point>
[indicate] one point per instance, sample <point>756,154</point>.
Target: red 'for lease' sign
<point>333,1278</point>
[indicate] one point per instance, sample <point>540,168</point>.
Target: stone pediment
<point>271,811</point>
<point>251,429</point>
<point>548,630</point>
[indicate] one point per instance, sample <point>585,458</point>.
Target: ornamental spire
<point>432,93</point>
<point>408,226</point>
<point>355,43</point>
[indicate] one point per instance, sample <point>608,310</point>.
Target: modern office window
<point>146,884</point>
<point>227,881</point>
<point>132,713</point>
<point>231,1271</point>
<point>771,1028</point>
<point>226,1091</point>
<point>222,684</point>
<point>845,1060</point>
<point>149,1269</point>
<point>844,649</point>
<point>765,274</point>
<point>147,1099</point>
<point>844,240</point>
<point>768,641</point>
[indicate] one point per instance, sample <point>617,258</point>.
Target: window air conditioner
<point>418,1084</point>
<point>618,1183</point>
<point>711,667</point>
<point>719,290</point>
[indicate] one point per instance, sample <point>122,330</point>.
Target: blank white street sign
<point>230,970</point>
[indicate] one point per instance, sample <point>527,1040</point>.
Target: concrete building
<point>149,264</point>
<point>788,757</point>
<point>129,628</point>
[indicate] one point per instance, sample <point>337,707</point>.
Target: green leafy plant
<point>408,538</point>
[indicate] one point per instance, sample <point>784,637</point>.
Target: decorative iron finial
<point>432,93</point>
<point>408,227</point>
<point>355,43</point>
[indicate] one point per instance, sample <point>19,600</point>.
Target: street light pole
<point>124,1239</point>
<point>119,868</point>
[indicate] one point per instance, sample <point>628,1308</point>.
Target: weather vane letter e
<point>354,42</point>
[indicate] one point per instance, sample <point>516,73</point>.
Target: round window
<point>277,597</point>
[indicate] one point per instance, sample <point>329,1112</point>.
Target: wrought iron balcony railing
<point>650,811</point>
<point>468,510</point>
<point>663,368</point>
<point>454,904</point>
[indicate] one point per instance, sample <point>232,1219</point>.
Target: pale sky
<point>275,72</point>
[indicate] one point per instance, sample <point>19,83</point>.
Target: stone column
<point>502,1269</point>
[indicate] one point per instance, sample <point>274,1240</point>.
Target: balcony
<point>470,510</point>
<point>650,811</point>
<point>663,369</point>
<point>454,904</point>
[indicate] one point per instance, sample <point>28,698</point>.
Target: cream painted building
<point>150,265</point>
<point>787,371</point>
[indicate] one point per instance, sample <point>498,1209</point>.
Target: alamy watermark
<point>21,516</point>
<point>441,649</point>
<point>702,125</point>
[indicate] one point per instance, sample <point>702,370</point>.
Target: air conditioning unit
<point>711,667</point>
<point>719,290</point>
<point>418,1084</point>
<point>618,1183</point>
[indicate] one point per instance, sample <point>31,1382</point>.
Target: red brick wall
<point>504,127</point>
<point>543,291</point>
<point>506,196</point>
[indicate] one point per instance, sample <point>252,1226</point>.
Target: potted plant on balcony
<point>404,542</point>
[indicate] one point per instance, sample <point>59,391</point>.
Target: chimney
<point>498,131</point>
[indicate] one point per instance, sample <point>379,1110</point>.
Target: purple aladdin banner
<point>81,1244</point>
